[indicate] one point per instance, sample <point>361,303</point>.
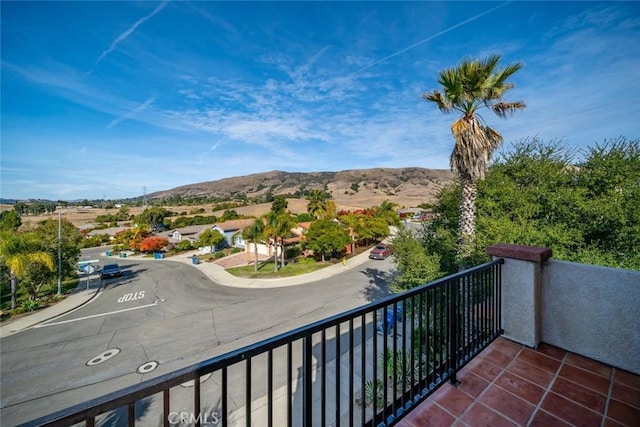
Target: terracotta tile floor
<point>509,384</point>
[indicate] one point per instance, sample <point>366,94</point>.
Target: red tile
<point>545,419</point>
<point>608,422</point>
<point>507,404</point>
<point>471,384</point>
<point>625,394</point>
<point>530,373</point>
<point>589,365</point>
<point>506,347</point>
<point>579,394</point>
<point>569,411</point>
<point>481,416</point>
<point>539,360</point>
<point>452,399</point>
<point>428,414</point>
<point>483,369</point>
<point>495,357</point>
<point>627,378</point>
<point>551,351</point>
<point>623,414</point>
<point>520,387</point>
<point>585,378</point>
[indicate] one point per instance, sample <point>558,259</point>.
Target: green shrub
<point>30,305</point>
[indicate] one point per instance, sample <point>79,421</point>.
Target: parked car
<point>110,270</point>
<point>381,251</point>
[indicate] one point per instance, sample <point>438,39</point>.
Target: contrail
<point>131,113</point>
<point>130,31</point>
<point>459,24</point>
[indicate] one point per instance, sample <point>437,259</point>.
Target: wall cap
<point>521,252</point>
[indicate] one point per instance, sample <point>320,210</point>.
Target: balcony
<point>521,340</point>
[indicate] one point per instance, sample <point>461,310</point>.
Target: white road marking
<point>95,315</point>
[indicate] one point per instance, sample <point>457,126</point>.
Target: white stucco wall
<point>593,311</point>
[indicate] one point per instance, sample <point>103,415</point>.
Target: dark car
<point>110,270</point>
<point>381,251</point>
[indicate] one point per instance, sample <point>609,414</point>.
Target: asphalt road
<point>159,317</point>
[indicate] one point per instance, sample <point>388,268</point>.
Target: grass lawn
<point>265,270</point>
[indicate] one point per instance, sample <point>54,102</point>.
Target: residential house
<point>232,231</point>
<point>191,233</point>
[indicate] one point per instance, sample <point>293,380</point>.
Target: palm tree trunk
<point>282,263</point>
<point>466,240</point>
<point>255,249</point>
<point>467,221</point>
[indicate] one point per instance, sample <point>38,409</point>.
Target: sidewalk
<point>215,272</point>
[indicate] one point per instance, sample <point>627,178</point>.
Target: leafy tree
<point>184,245</point>
<point>229,215</point>
<point>153,217</point>
<point>415,265</point>
<point>467,88</point>
<point>210,238</point>
<point>279,225</point>
<point>254,234</point>
<point>153,243</point>
<point>71,242</point>
<point>10,220</point>
<point>326,236</point>
<point>17,252</point>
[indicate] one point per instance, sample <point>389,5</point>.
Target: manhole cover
<point>103,357</point>
<point>147,367</point>
<point>158,301</point>
<point>191,383</point>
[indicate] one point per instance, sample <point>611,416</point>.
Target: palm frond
<point>505,109</point>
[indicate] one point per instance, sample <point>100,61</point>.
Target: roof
<point>234,224</point>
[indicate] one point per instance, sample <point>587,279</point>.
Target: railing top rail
<point>152,386</point>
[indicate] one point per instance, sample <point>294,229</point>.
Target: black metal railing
<point>368,366</point>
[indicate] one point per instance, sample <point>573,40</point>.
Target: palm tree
<point>467,88</point>
<point>254,233</point>
<point>316,206</point>
<point>281,224</point>
<point>18,252</point>
<point>387,211</point>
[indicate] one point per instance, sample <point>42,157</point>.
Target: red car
<point>381,251</point>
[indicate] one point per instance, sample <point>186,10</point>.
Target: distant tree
<point>229,215</point>
<point>211,238</point>
<point>467,88</point>
<point>10,220</point>
<point>326,236</point>
<point>387,211</point>
<point>279,204</point>
<point>153,217</point>
<point>70,243</point>
<point>316,203</point>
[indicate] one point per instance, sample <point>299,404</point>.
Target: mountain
<point>349,188</point>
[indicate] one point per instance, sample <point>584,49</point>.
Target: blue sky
<point>102,99</point>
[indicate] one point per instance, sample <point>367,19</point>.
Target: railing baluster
<point>224,397</point>
<point>307,381</point>
<point>323,392</point>
<point>374,357</point>
<point>270,387</point>
<point>338,377</point>
<point>363,366</point>
<point>351,373</point>
<point>289,380</point>
<point>196,400</point>
<point>385,355</point>
<point>131,414</point>
<point>165,407</point>
<point>247,393</point>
